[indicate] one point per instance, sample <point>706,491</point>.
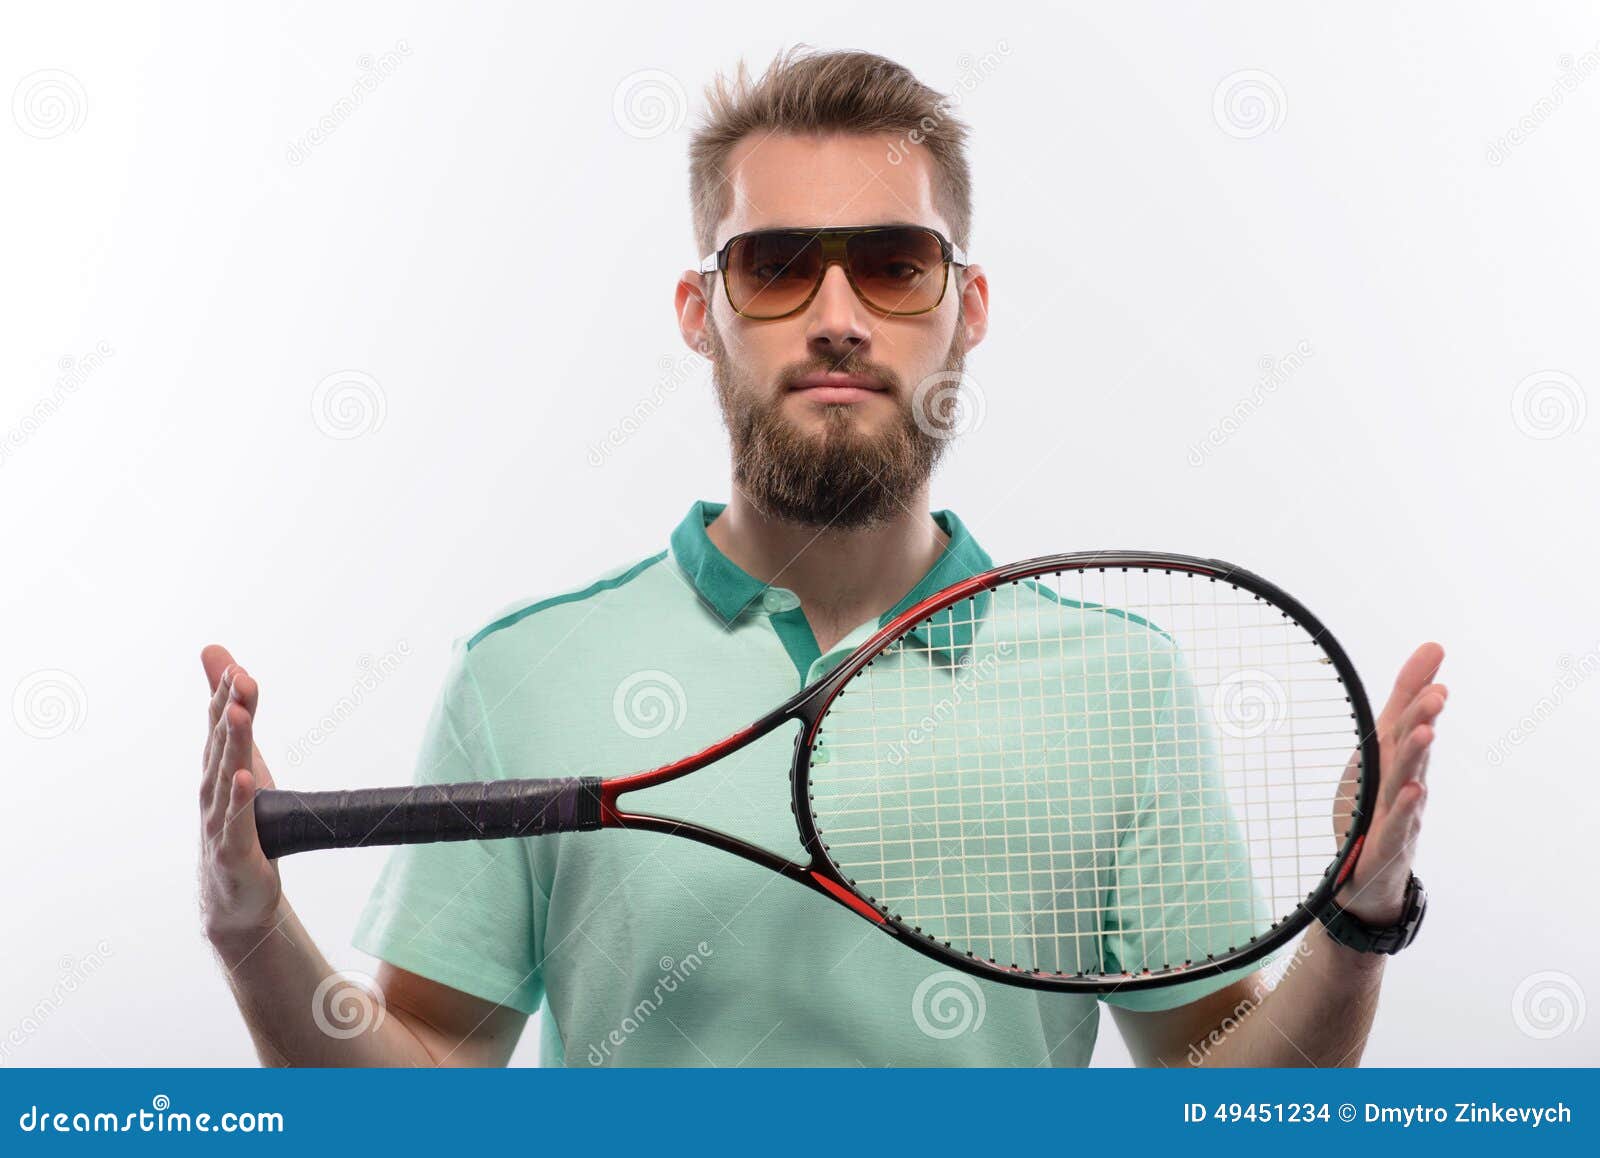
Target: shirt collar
<point>949,630</point>
<point>730,590</point>
<point>721,582</point>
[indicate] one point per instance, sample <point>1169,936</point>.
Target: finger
<point>207,761</point>
<point>1424,709</point>
<point>247,691</point>
<point>213,761</point>
<point>214,658</point>
<point>1410,762</point>
<point>219,679</point>
<point>1391,842</point>
<point>219,693</point>
<point>235,755</point>
<point>244,691</point>
<point>239,827</point>
<point>1416,673</point>
<point>214,768</point>
<point>1409,808</point>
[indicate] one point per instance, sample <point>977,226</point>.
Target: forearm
<point>274,975</point>
<point>1319,1014</point>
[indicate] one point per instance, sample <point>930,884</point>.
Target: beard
<point>839,477</point>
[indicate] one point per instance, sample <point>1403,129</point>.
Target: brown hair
<point>804,91</point>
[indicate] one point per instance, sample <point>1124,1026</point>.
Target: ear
<point>974,286</point>
<point>693,307</point>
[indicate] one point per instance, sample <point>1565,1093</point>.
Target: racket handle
<point>289,822</point>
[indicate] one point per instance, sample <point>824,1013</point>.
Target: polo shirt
<point>647,949</point>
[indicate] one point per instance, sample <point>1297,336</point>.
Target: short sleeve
<point>466,914</point>
<point>1183,886</point>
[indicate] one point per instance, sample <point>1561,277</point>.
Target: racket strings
<point>1120,771</point>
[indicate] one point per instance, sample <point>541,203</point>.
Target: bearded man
<point>836,303</point>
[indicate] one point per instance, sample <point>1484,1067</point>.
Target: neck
<point>842,577</point>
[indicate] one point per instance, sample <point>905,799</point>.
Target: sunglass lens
<point>771,274</point>
<point>899,271</point>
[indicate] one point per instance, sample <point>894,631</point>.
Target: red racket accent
<point>610,815</point>
<point>840,893</point>
<point>1350,864</point>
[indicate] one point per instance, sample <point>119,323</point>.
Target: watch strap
<point>1354,933</point>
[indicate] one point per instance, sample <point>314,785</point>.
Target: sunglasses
<point>895,269</point>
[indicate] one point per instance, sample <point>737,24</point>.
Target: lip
<point>828,387</point>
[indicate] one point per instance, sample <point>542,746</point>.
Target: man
<point>642,949</point>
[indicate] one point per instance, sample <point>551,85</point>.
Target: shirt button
<point>777,599</point>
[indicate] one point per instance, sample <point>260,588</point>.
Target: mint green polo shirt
<point>647,949</point>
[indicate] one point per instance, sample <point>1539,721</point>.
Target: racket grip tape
<point>290,822</point>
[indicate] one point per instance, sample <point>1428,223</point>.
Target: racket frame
<point>810,705</point>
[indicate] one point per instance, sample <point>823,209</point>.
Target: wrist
<point>1377,928</point>
<point>235,940</point>
<point>1373,910</point>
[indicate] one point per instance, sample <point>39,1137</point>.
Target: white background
<point>494,243</point>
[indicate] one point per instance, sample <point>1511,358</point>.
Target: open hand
<point>1375,890</point>
<point>239,887</point>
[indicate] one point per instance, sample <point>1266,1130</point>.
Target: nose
<point>837,322</point>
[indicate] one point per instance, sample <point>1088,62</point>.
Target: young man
<point>643,949</point>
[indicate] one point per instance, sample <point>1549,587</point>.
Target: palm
<point>1375,891</point>
<point>240,887</point>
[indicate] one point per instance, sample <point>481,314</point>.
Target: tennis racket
<point>1084,772</point>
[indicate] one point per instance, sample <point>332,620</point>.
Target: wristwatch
<point>1354,933</point>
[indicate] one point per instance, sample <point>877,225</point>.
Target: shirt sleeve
<point>1183,886</point>
<point>466,914</point>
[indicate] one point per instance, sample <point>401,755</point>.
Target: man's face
<point>821,405</point>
